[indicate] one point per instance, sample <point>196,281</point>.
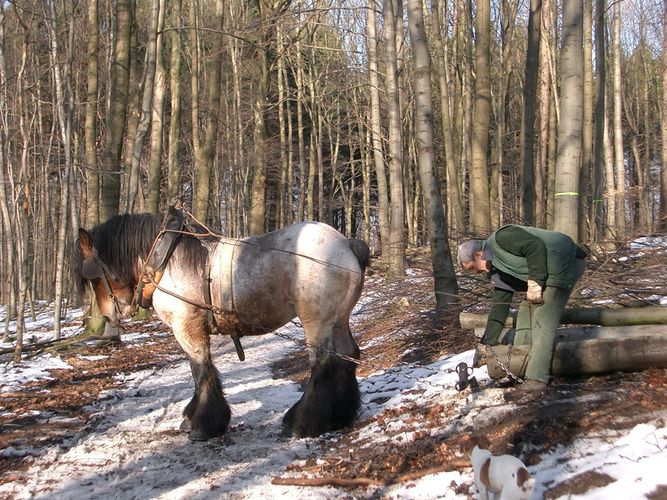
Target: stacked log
<point>612,340</point>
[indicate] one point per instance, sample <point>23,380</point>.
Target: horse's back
<point>307,269</point>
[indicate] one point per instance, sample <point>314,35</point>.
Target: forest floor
<point>399,327</point>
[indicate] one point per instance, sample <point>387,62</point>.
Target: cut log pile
<point>600,341</point>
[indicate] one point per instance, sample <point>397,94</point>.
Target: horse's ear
<point>85,242</point>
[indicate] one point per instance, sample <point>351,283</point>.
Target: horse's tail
<point>361,252</point>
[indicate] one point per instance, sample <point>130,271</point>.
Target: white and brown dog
<point>501,477</point>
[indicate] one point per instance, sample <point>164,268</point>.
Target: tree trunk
<point>283,112</point>
<point>545,104</point>
<point>65,110</point>
<point>597,203</point>
<point>173,158</point>
<point>257,216</point>
<point>528,117</point>
<point>392,11</point>
<point>8,248</point>
<point>465,116</point>
<point>92,171</point>
<point>446,288</point>
<point>479,175</point>
<point>300,213</point>
<point>115,123</point>
<point>552,155</point>
<point>375,126</point>
<point>612,199</point>
<point>662,210</point>
<point>454,199</point>
<point>617,127</point>
<point>20,198</point>
<point>585,182</point>
<point>644,171</point>
<point>146,105</point>
<point>205,149</point>
<point>569,127</point>
<point>157,119</point>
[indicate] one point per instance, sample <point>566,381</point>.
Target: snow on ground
<point>135,450</point>
<point>132,447</point>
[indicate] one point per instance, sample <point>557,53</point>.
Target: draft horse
<point>254,286</point>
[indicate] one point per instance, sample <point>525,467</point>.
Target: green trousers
<point>536,326</point>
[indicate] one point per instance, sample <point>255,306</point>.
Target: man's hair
<point>467,250</point>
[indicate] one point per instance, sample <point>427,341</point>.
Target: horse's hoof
<point>199,435</point>
<point>185,425</point>
<point>287,432</point>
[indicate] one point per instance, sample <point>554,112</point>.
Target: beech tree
<point>570,122</point>
<point>443,270</point>
<point>274,111</point>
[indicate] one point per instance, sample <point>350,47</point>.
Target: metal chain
<point>367,362</point>
<point>503,366</point>
<point>344,357</point>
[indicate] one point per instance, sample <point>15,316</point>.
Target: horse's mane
<point>124,239</point>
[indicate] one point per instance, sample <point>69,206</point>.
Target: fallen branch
<point>75,342</point>
<point>326,481</point>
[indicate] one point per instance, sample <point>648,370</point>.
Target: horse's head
<point>114,295</point>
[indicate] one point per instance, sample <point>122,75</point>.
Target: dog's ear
<point>522,476</point>
<point>469,442</point>
<point>466,445</point>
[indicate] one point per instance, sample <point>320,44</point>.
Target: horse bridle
<point>94,268</point>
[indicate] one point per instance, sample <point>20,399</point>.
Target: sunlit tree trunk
<point>465,115</point>
<point>146,105</point>
<point>551,163</point>
<point>92,175</point>
<point>443,271</point>
<point>644,172</point>
<point>366,178</point>
<point>173,157</point>
<point>257,215</point>
<point>597,177</point>
<point>16,179</point>
<point>528,117</point>
<point>662,211</point>
<point>133,113</point>
<point>65,110</point>
<point>157,120</point>
<point>612,205</point>
<point>455,200</point>
<point>569,126</point>
<point>542,210</point>
<point>392,11</point>
<point>8,234</point>
<point>479,174</point>
<point>376,129</point>
<point>283,112</point>
<point>617,125</point>
<point>587,126</point>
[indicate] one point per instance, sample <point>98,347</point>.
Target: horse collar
<point>158,257</point>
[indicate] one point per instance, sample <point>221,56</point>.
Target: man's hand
<point>534,293</point>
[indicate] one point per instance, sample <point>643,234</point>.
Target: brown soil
<point>47,412</point>
<point>410,331</point>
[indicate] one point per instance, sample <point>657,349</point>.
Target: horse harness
<point>219,318</point>
<point>174,226</point>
